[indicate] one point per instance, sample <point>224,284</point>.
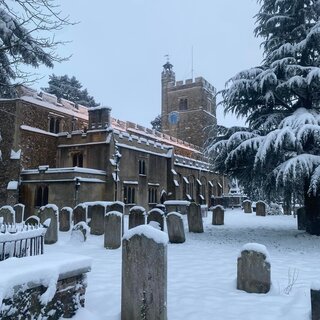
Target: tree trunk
<point>312,206</point>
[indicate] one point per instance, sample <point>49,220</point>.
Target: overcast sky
<point>118,48</point>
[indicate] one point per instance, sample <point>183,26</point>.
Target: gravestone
<point>253,275</point>
<point>19,210</point>
<point>112,230</point>
<point>65,219</point>
<point>8,214</point>
<point>136,216</point>
<point>156,215</point>
<point>79,232</point>
<point>175,227</point>
<point>144,274</point>
<point>50,211</point>
<point>32,221</point>
<point>261,208</point>
<point>247,206</point>
<point>97,219</point>
<point>195,222</point>
<point>301,218</point>
<point>118,206</point>
<point>315,301</point>
<point>218,215</point>
<point>80,214</point>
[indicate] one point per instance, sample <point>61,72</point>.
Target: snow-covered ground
<point>202,271</point>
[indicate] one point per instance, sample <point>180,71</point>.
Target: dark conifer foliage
<point>27,38</point>
<point>280,150</point>
<point>70,89</point>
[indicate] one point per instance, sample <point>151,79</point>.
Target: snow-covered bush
<point>274,208</point>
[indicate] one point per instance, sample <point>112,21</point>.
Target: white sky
<point>118,48</point>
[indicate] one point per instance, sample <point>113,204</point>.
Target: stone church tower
<point>188,110</point>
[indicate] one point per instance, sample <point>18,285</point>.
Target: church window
<point>152,195</point>
<point>128,194</point>
<point>183,104</point>
<point>54,125</point>
<point>142,167</point>
<point>42,195</point>
<point>77,160</point>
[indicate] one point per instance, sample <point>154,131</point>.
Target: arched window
<point>128,194</point>
<point>153,195</point>
<point>77,160</point>
<point>183,104</point>
<point>54,125</point>
<point>190,188</point>
<point>142,167</point>
<point>42,196</point>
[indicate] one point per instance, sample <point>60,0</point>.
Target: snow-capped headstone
<point>19,210</point>
<point>301,218</point>
<point>175,227</point>
<point>112,230</point>
<point>156,215</point>
<point>144,274</point>
<point>79,232</point>
<point>195,222</point>
<point>247,206</point>
<point>218,215</point>
<point>315,301</point>
<point>97,212</point>
<point>119,207</point>
<point>32,221</point>
<point>137,216</point>
<point>261,208</point>
<point>65,219</point>
<point>8,214</point>
<point>50,211</point>
<point>79,214</point>
<point>254,269</point>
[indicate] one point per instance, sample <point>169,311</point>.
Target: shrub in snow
<point>274,209</point>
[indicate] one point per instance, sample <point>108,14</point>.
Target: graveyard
<point>202,270</point>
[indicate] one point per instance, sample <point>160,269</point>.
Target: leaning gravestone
<point>19,210</point>
<point>195,222</point>
<point>261,208</point>
<point>175,227</point>
<point>301,214</point>
<point>144,274</point>
<point>156,215</point>
<point>8,214</point>
<point>65,219</point>
<point>247,206</point>
<point>253,275</point>
<point>97,219</point>
<point>50,211</point>
<point>112,230</point>
<point>32,221</point>
<point>315,301</point>
<point>79,232</point>
<point>218,215</point>
<point>136,216</point>
<point>80,213</point>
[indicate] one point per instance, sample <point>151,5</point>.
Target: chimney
<point>99,118</point>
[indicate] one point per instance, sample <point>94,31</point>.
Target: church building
<point>58,152</point>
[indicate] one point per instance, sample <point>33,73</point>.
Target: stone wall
<point>69,296</point>
<point>9,168</point>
